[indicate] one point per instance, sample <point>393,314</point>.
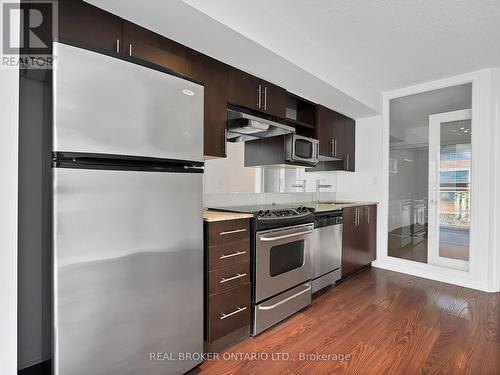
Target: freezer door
<point>105,105</point>
<point>128,271</point>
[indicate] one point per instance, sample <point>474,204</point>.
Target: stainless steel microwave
<point>301,149</point>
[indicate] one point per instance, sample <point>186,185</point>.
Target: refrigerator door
<point>104,105</point>
<point>128,269</point>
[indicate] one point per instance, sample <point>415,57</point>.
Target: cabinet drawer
<point>224,232</point>
<point>228,311</point>
<point>226,255</point>
<point>228,277</point>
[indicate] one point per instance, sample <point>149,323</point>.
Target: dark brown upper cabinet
<point>349,145</point>
<point>358,238</point>
<point>147,45</point>
<point>248,91</point>
<point>213,74</point>
<point>336,135</point>
<point>89,26</point>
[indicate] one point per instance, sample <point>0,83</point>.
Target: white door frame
<point>481,273</point>
<point>435,122</point>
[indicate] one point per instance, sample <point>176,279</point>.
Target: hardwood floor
<point>387,322</point>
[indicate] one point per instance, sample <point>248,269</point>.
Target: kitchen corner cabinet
<point>89,26</point>
<point>213,74</point>
<point>227,298</point>
<point>359,238</point>
<point>336,135</point>
<point>246,90</point>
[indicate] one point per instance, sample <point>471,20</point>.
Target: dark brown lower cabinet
<point>359,238</point>
<point>227,283</point>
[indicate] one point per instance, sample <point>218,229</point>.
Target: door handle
<point>368,214</point>
<point>232,232</point>
<point>266,239</point>
<point>347,162</point>
<point>265,98</point>
<point>225,256</point>
<point>117,45</point>
<point>224,141</point>
<point>238,276</point>
<point>130,49</point>
<point>238,310</point>
<point>259,94</point>
<point>332,147</point>
<point>286,299</point>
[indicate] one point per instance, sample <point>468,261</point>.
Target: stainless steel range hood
<point>243,127</point>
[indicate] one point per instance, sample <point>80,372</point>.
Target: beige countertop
<point>339,205</point>
<point>212,215</point>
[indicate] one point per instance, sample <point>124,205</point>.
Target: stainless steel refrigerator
<point>127,216</point>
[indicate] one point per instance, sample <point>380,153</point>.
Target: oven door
<point>282,259</point>
<point>303,149</point>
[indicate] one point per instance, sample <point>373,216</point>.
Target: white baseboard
<point>427,274</point>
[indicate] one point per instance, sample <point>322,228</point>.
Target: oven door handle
<point>286,299</point>
<point>284,236</point>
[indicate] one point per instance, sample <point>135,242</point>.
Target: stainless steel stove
<point>281,269</point>
<point>275,215</point>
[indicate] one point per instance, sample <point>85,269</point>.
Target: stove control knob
<point>261,213</point>
<point>268,213</point>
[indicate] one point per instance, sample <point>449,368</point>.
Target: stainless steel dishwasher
<point>326,249</point>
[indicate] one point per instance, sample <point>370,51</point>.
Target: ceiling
<point>389,44</point>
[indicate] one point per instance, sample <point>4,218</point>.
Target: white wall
<point>229,175</point>
<point>496,170</point>
<point>9,101</point>
<point>365,183</point>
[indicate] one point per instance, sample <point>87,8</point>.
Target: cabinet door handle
<point>238,310</point>
<point>232,232</point>
<point>368,214</point>
<point>224,256</point>
<point>265,98</point>
<point>355,217</point>
<point>117,45</point>
<point>130,49</point>
<point>335,146</point>
<point>347,162</point>
<point>259,92</point>
<point>224,142</point>
<point>332,151</point>
<point>237,276</point>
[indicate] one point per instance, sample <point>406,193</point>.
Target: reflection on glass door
<point>450,137</point>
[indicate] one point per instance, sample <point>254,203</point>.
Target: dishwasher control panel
<point>330,218</point>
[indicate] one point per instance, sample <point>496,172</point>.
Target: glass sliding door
<point>450,151</point>
<point>429,177</point>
